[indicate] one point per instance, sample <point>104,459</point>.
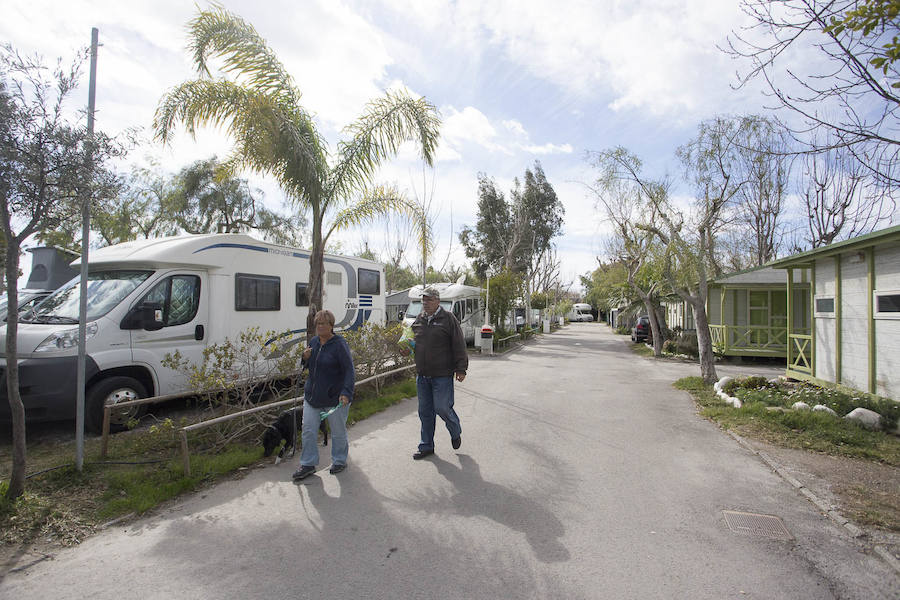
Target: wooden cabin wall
<point>887,330</point>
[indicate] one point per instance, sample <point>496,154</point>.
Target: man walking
<point>440,354</point>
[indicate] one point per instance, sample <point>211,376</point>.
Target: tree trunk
<point>704,341</point>
<point>316,273</point>
<point>655,333</point>
<point>17,409</point>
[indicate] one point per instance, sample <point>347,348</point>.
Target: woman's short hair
<point>326,317</point>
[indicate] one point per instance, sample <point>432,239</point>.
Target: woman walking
<point>328,390</point>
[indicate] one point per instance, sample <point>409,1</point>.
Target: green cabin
<point>748,312</point>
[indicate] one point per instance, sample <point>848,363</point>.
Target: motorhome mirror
<point>400,316</point>
<point>147,316</point>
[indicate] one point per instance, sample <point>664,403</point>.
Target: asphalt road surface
<point>582,474</point>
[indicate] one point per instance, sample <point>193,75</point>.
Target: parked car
<point>641,330</point>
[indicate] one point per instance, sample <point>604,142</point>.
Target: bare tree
<point>625,205</point>
<point>839,199</point>
<point>689,236</point>
<point>763,157</point>
<point>852,92</point>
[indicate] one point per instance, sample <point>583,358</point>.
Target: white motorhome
<point>464,301</point>
<point>580,312</point>
<point>149,298</point>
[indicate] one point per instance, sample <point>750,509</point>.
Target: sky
<point>515,82</point>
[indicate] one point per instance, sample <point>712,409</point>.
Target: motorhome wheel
<point>113,390</point>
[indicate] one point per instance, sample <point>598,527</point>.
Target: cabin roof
<point>891,234</point>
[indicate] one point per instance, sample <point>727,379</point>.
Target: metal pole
<point>85,239</point>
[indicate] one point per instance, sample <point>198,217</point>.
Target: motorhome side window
<point>179,296</point>
<point>369,281</point>
<point>302,294</point>
<point>257,292</point>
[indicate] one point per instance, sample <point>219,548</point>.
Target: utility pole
<point>85,238</point>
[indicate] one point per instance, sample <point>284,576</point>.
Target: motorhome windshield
<point>105,290</point>
<point>415,307</point>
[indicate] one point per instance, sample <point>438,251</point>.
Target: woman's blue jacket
<point>331,372</point>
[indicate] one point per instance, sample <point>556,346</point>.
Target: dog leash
<point>324,414</point>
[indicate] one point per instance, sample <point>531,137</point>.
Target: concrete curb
<point>830,511</point>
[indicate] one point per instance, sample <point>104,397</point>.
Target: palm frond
<point>270,137</point>
<point>387,123</point>
<point>380,201</point>
<point>216,32</point>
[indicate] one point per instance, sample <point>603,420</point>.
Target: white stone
<point>823,408</point>
<point>735,402</point>
<point>800,406</point>
<point>775,380</point>
<point>865,417</point>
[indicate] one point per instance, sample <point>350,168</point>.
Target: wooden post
<point>838,338</point>
<point>185,455</point>
<point>790,315</point>
<point>105,442</point>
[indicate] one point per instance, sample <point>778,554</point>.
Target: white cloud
<point>549,149</point>
<point>469,125</point>
<point>656,56</point>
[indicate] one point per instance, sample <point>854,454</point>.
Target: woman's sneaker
<point>304,472</point>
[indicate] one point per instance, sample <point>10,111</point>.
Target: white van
<point>149,298</point>
<point>580,312</point>
<point>464,301</point>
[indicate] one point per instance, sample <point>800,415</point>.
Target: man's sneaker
<point>457,442</point>
<point>335,469</point>
<point>304,472</point>
<point>420,454</point>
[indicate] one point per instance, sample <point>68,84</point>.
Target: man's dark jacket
<point>440,346</point>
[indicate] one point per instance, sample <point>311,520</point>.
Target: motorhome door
<point>184,298</point>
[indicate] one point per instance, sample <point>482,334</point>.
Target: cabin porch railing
<point>756,338</point>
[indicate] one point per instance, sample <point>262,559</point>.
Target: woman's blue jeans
<point>436,400</point>
<point>309,435</point>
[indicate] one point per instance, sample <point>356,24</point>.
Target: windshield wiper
<point>53,319</point>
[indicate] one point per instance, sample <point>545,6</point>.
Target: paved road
<point>582,474</point>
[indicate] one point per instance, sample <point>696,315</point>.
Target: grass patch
<point>808,430</point>
<point>64,505</point>
<point>642,349</point>
<point>368,402</point>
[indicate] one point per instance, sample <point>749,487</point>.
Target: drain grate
<point>754,524</point>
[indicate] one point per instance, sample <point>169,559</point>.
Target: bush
<point>374,347</point>
<point>623,330</point>
<point>748,383</point>
<point>670,346</point>
<point>757,389</point>
<point>686,343</point>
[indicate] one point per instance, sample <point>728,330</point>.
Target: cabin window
<point>825,306</point>
<point>179,296</point>
<point>302,294</point>
<point>887,304</point>
<point>458,310</point>
<point>369,281</point>
<point>257,292</point>
<point>333,278</point>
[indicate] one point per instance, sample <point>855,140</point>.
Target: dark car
<point>641,330</point>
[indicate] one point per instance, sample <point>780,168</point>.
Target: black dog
<point>285,428</point>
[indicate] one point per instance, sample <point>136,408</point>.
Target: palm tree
<point>274,135</point>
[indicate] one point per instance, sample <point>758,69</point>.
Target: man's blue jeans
<point>309,435</point>
<point>436,399</point>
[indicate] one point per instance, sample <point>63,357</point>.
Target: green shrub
<point>749,383</point>
<point>623,330</point>
<point>670,346</point>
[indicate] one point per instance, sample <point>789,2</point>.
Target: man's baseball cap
<point>431,291</point>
